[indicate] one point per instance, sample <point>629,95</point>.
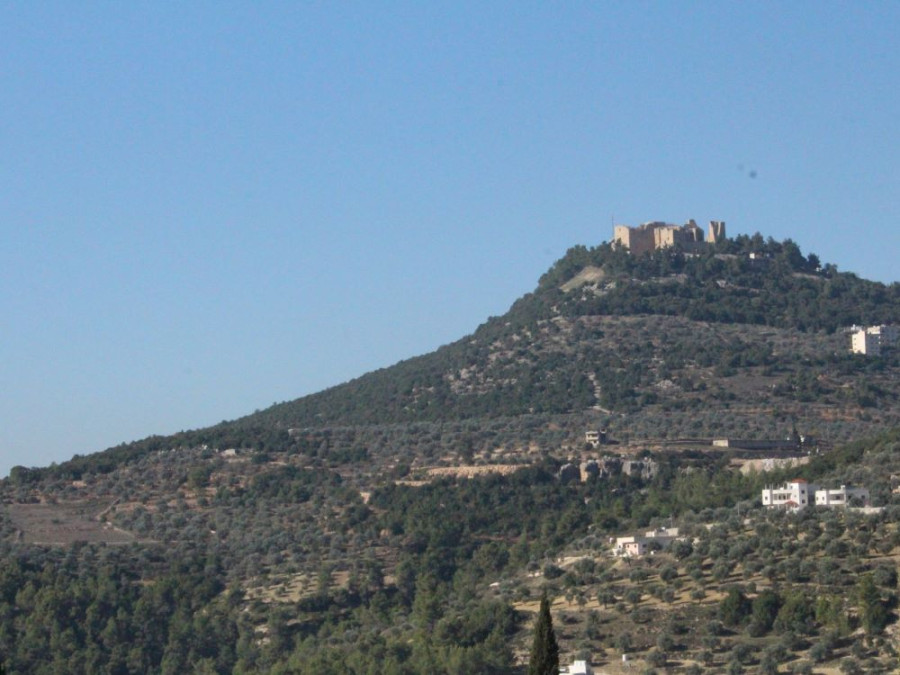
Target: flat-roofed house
<point>795,494</point>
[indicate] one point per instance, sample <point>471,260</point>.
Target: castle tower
<point>691,234</point>
<point>716,231</point>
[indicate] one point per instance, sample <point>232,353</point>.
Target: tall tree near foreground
<point>544,650</point>
<point>873,612</point>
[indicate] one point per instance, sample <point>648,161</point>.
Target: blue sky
<point>208,207</point>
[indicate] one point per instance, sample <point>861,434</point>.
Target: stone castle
<point>657,234</point>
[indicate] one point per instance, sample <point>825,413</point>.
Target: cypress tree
<point>872,611</point>
<point>544,650</point>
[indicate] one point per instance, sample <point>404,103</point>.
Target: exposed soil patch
<point>64,524</point>
<point>470,471</point>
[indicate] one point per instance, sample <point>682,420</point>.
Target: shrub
<point>850,666</point>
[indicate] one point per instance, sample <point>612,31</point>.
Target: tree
<point>872,611</point>
<point>764,610</point>
<point>544,650</point>
<point>734,607</point>
<point>797,615</point>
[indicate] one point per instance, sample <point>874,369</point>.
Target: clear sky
<point>208,207</point>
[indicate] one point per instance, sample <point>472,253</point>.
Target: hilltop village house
<point>657,235</point>
<point>654,540</point>
<point>869,340</point>
<point>798,494</point>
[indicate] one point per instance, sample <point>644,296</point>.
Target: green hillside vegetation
<point>315,536</point>
<point>534,358</point>
<point>747,347</point>
<point>301,575</point>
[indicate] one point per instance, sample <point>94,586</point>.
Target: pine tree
<point>544,650</point>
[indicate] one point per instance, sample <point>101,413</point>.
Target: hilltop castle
<point>657,234</point>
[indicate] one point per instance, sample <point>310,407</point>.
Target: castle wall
<point>638,240</point>
<point>657,235</point>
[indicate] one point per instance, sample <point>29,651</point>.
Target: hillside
<point>568,347</point>
<point>406,521</point>
<point>752,347</point>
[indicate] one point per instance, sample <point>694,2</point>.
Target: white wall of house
<point>797,494</point>
<point>841,496</point>
<point>577,668</point>
<point>871,339</point>
<point>639,545</point>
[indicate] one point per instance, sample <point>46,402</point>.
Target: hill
<point>406,521</point>
<point>747,338</point>
<point>547,353</point>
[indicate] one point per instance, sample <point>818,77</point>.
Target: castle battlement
<point>658,235</point>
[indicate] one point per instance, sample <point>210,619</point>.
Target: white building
<point>871,340</point>
<point>796,494</point>
<point>841,496</point>
<point>864,342</point>
<point>577,668</point>
<point>639,545</point>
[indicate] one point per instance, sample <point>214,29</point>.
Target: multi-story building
<point>870,340</point>
<point>795,494</point>
<point>841,496</point>
<point>864,342</point>
<point>798,494</point>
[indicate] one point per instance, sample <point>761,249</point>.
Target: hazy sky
<point>209,207</point>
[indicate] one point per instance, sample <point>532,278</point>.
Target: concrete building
<point>595,437</point>
<point>842,496</point>
<point>577,668</point>
<point>863,342</point>
<point>887,334</point>
<point>638,545</point>
<point>870,340</point>
<point>796,494</point>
